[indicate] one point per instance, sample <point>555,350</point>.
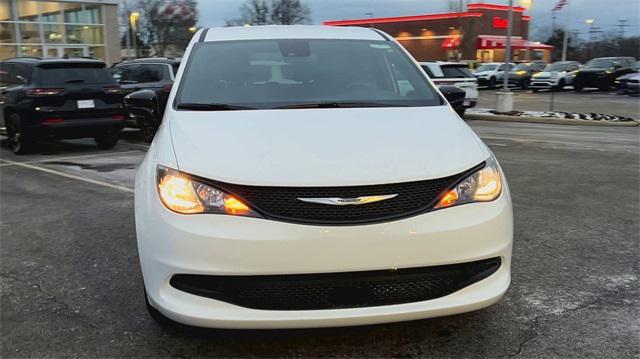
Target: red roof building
<point>478,34</point>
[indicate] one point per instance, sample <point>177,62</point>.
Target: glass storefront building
<point>60,28</point>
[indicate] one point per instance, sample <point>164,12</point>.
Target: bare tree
<point>155,28</point>
<point>457,5</point>
<point>290,12</point>
<point>266,12</point>
<point>256,12</point>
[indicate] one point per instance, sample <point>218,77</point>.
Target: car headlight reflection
<point>184,195</point>
<point>483,185</point>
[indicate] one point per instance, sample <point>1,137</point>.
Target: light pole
<point>590,22</point>
<point>133,19</point>
<point>505,97</point>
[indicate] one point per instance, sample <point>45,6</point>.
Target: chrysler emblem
<point>336,201</point>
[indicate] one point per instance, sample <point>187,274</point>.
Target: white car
<point>490,74</point>
<point>454,74</point>
<point>292,184</point>
<point>555,76</point>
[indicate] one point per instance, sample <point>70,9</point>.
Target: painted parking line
<point>79,157</point>
<point>66,175</point>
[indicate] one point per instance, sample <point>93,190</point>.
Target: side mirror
<point>454,95</point>
<point>616,65</point>
<point>143,104</point>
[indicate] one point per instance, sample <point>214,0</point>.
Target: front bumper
<point>628,87</point>
<point>217,245</point>
<point>543,84</point>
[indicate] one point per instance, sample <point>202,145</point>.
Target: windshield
<point>600,63</point>
<point>486,68</point>
<point>520,67</point>
<point>266,74</point>
<point>75,74</point>
<point>555,67</point>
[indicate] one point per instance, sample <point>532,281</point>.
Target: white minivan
<point>293,183</point>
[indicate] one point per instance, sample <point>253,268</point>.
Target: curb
<point>547,120</point>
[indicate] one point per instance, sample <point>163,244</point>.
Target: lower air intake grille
<point>337,290</point>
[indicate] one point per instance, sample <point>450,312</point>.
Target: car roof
<point>290,32</point>
<point>444,63</point>
<point>155,60</point>
<point>35,61</point>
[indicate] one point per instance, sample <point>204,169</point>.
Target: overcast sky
<point>605,12</point>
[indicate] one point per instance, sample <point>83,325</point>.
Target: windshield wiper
<point>211,107</point>
<point>79,81</point>
<point>338,105</point>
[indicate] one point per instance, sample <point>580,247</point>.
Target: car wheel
<point>604,88</point>
<point>577,87</point>
<point>107,141</point>
<point>147,130</point>
<point>560,86</point>
<point>492,83</point>
<point>20,142</point>
<point>525,85</point>
<point>535,90</point>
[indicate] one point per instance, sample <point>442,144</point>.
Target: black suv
<point>602,72</point>
<point>59,98</point>
<point>520,75</point>
<point>155,74</point>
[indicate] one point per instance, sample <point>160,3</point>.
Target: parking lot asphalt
<point>569,101</point>
<point>70,283</point>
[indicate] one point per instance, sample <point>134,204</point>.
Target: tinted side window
<point>428,71</point>
<point>456,72</point>
<point>141,73</point>
<point>23,73</point>
<point>14,74</point>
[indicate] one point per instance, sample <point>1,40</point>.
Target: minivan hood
<point>324,147</point>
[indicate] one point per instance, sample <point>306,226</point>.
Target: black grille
<point>281,203</point>
<point>337,290</point>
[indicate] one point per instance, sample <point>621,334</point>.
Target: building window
<point>31,50</point>
<point>7,33</point>
<point>51,12</point>
<point>7,51</point>
<point>28,10</point>
<point>51,28</point>
<point>5,10</point>
<point>30,33</point>
<point>53,34</point>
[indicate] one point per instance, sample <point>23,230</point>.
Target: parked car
<point>601,72</point>
<point>454,74</point>
<point>555,76</point>
<point>491,74</point>
<point>520,75</point>
<point>294,183</point>
<point>629,83</point>
<point>154,74</point>
<point>61,99</point>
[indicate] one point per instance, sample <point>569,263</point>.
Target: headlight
<point>521,72</point>
<point>483,185</point>
<point>184,195</point>
<point>537,75</point>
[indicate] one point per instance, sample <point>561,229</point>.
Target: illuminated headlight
<point>536,75</point>
<point>521,72</point>
<point>184,195</point>
<point>483,185</point>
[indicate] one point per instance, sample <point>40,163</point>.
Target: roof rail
<point>23,57</point>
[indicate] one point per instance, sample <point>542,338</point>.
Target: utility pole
<point>622,24</point>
